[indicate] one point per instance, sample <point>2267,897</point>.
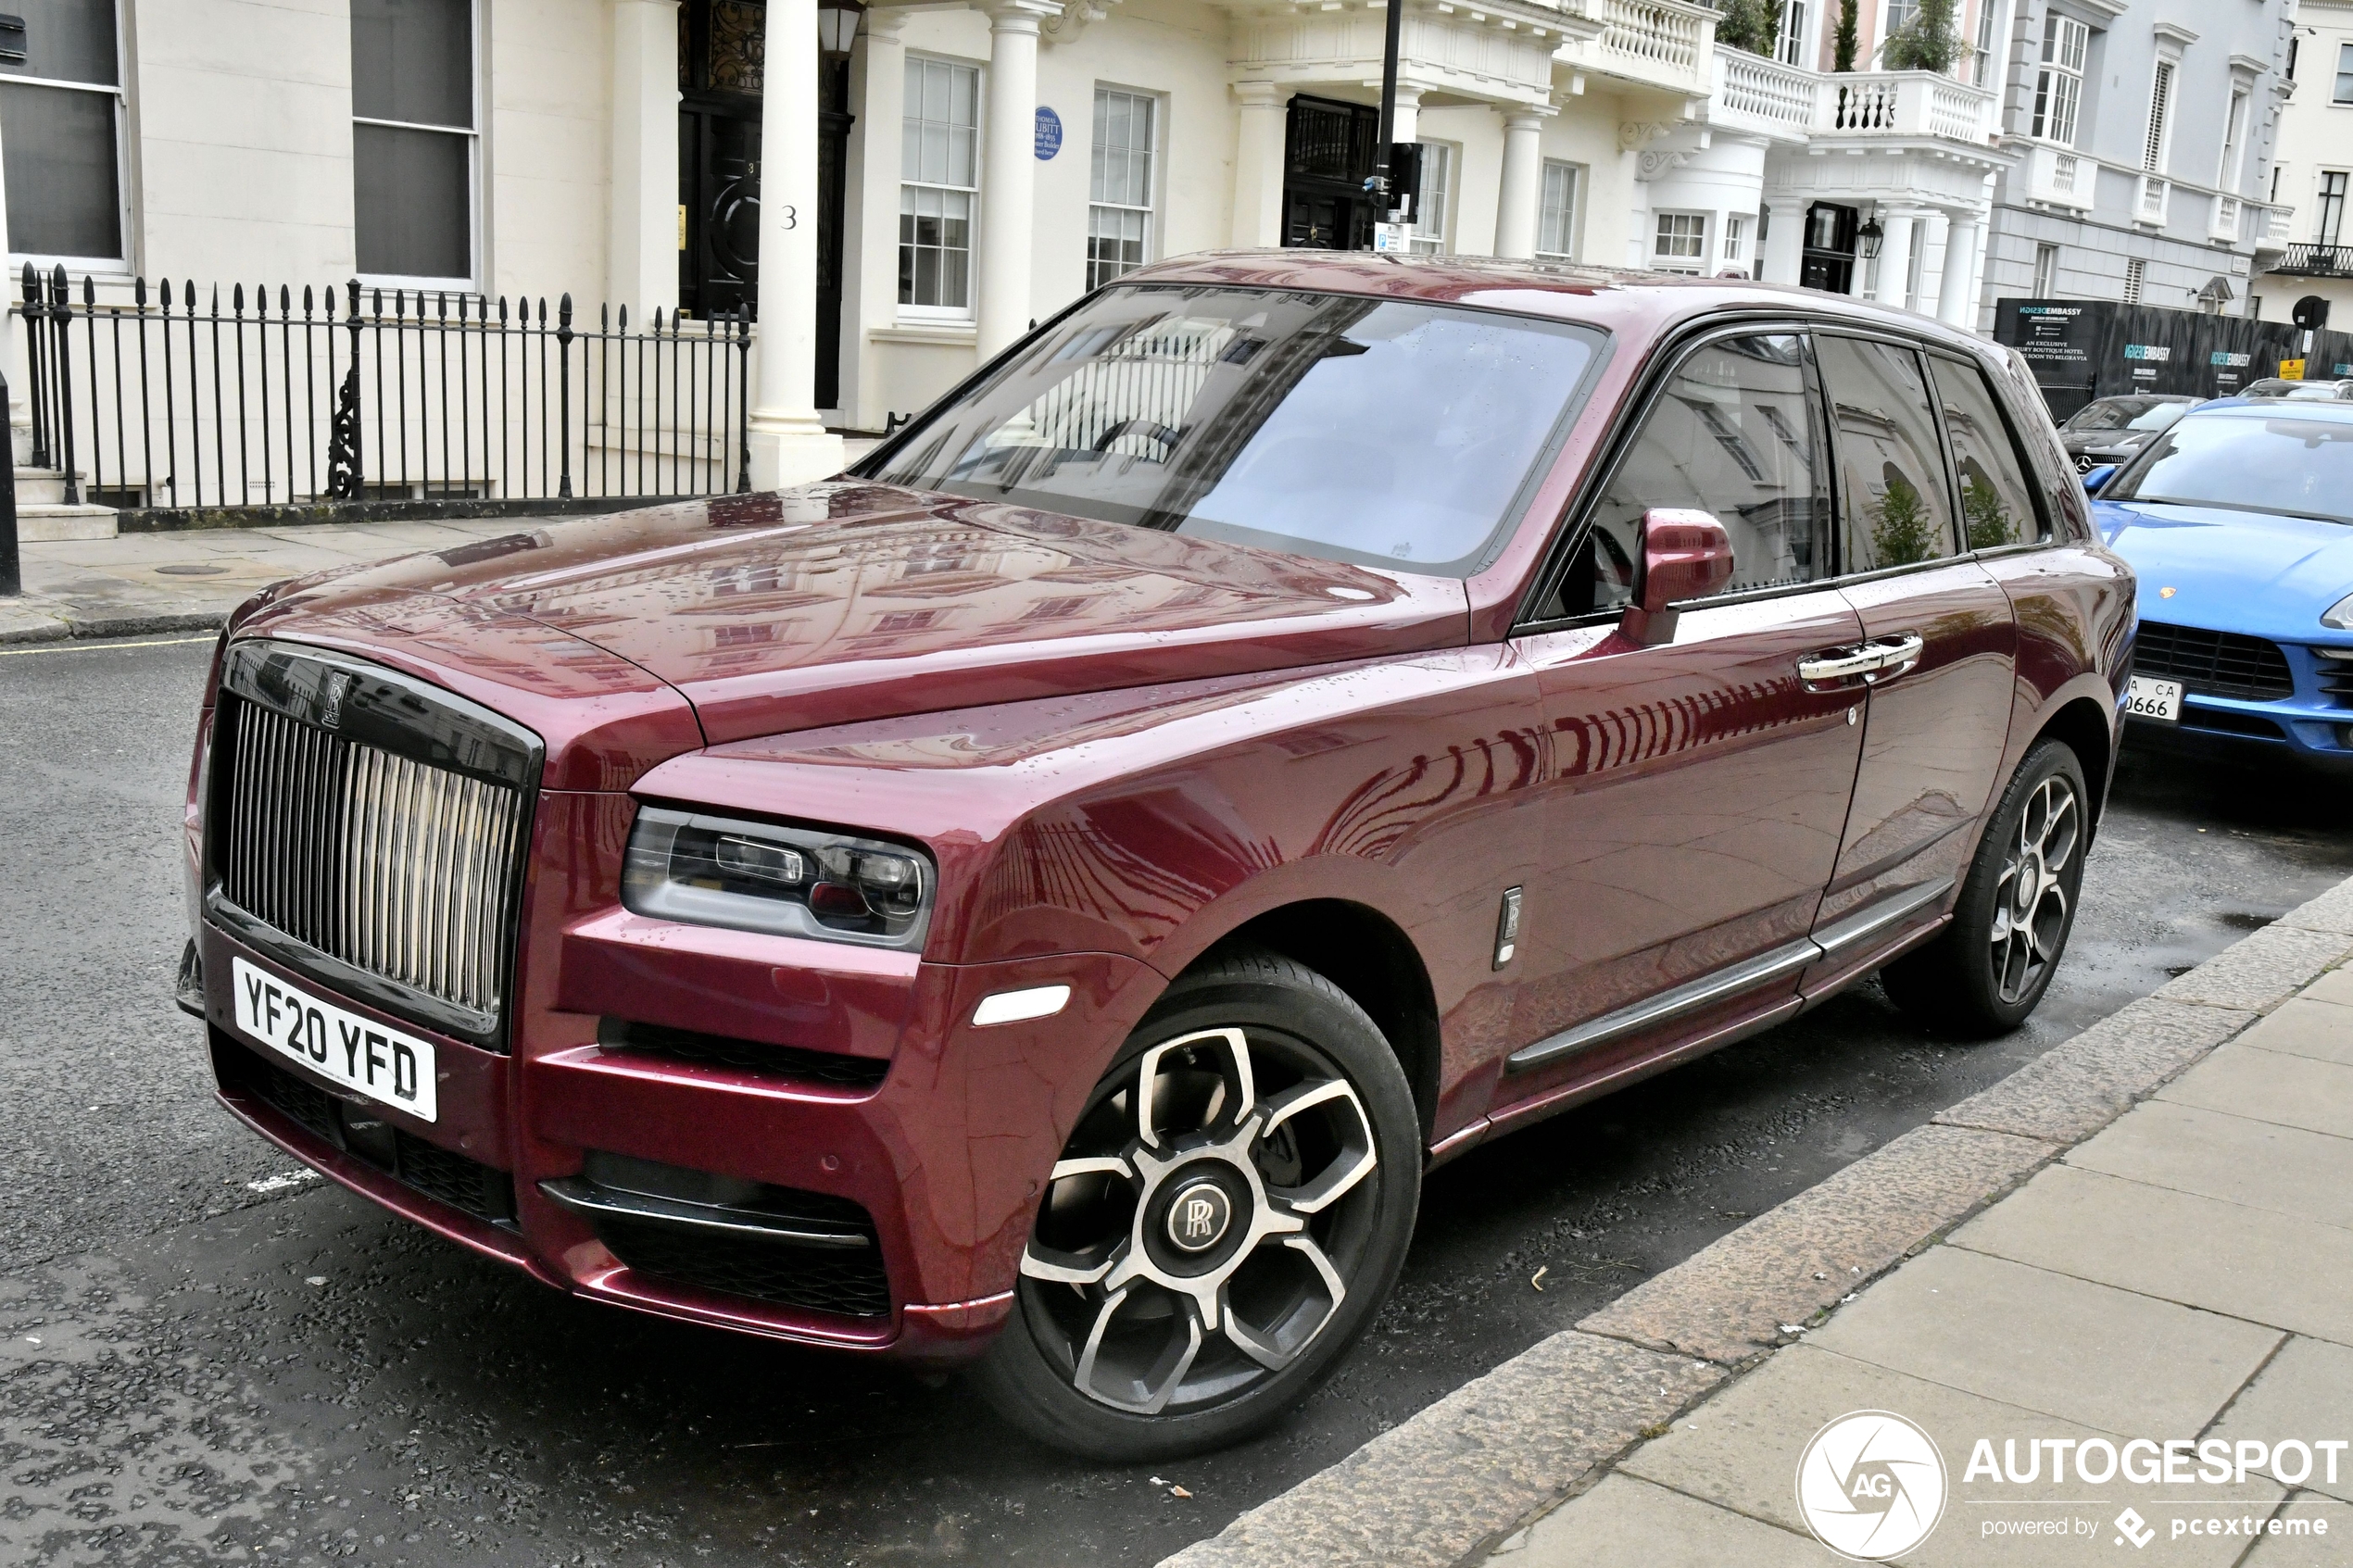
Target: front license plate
<point>2147,699</point>
<point>383,1064</point>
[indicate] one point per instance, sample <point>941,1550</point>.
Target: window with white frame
<point>2328,212</point>
<point>1791,49</point>
<point>1679,242</point>
<point>61,111</point>
<point>2154,145</point>
<point>1736,239</point>
<point>415,170</point>
<point>2234,133</point>
<point>2344,94</point>
<point>1899,17</point>
<point>1980,58</point>
<point>2047,259</point>
<point>2135,270</point>
<point>1556,213</point>
<point>1119,215</point>
<point>2058,88</point>
<point>939,183</point>
<point>1437,204</point>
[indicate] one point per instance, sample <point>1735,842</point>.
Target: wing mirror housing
<point>1686,555</point>
<point>2095,480</point>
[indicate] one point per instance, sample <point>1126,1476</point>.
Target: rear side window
<point>1736,431</point>
<point>1997,503</point>
<point>1895,506</point>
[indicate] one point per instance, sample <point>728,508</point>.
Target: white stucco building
<point>945,172</point>
<point>2312,169</point>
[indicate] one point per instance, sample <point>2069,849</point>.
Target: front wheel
<point>1985,974</point>
<point>1231,1208</point>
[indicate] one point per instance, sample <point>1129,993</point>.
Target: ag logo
<point>1870,1485</point>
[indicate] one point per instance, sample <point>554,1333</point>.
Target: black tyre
<point>1231,1211</point>
<point>1992,965</point>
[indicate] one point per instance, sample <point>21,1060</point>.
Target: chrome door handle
<point>1838,664</point>
<point>1895,655</point>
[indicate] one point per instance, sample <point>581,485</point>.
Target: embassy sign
<point>2083,349</point>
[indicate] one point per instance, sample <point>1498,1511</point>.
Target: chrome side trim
<point>1873,919</point>
<point>1690,997</point>
<point>582,1197</point>
<point>1730,981</point>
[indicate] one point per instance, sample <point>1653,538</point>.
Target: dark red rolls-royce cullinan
<point>1043,899</point>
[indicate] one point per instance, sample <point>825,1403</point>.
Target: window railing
<point>1754,88</point>
<point>1901,102</point>
<point>2222,221</point>
<point>2153,199</point>
<point>2317,259</point>
<point>181,397</point>
<point>2060,177</point>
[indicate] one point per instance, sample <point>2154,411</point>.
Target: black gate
<point>1328,155</point>
<point>722,51</point>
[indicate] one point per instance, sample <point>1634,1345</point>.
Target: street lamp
<point>837,25</point>
<point>1868,237</point>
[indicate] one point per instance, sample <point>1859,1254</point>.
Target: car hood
<point>2230,570</point>
<point>845,601</point>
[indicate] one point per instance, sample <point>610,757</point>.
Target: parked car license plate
<point>383,1064</point>
<point>2145,697</point>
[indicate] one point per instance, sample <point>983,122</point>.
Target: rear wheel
<point>1231,1208</point>
<point>1988,971</point>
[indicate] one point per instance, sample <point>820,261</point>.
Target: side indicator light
<point>1507,928</point>
<point>1012,1007</point>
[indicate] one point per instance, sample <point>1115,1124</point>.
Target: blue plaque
<point>1050,133</point>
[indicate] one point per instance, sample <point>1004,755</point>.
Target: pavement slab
<point>2332,911</point>
<point>2263,970</point>
<point>2305,1393</point>
<point>2198,1252</point>
<point>2323,1031</point>
<point>2257,1164</point>
<point>1468,1467</point>
<point>2265,1086</point>
<point>2047,1342</point>
<point>1626,1521</point>
<point>1735,1297</point>
<point>2077,1087</point>
<point>2315,1550</point>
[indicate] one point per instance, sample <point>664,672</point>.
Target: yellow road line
<point>74,645</point>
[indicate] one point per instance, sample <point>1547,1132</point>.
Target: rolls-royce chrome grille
<point>369,830</point>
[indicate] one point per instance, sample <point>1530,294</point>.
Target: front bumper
<point>2308,728</point>
<point>933,1144</point>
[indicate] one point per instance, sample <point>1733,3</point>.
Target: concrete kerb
<point>61,627</point>
<point>1447,1485</point>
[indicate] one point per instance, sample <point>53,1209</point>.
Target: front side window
<point>412,138</point>
<point>1895,508</point>
<point>940,181</point>
<point>1437,199</point>
<point>1736,431</point>
<point>60,117</point>
<point>1998,505</point>
<point>2058,88</point>
<point>1380,431</point>
<point>1119,214</point>
<point>1678,244</point>
<point>1556,219</point>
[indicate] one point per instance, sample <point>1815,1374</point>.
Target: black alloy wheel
<point>1231,1210</point>
<point>1989,969</point>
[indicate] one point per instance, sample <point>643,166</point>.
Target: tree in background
<point>1900,531</point>
<point>1752,25</point>
<point>1930,41</point>
<point>1843,42</point>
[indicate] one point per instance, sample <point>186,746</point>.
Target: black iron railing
<point>2328,261</point>
<point>177,397</point>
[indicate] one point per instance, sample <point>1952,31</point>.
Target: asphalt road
<point>206,1362</point>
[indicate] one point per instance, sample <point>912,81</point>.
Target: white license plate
<point>383,1064</point>
<point>2149,698</point>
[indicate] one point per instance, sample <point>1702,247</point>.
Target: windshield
<point>1379,431</point>
<point>2108,413</point>
<point>2276,463</point>
<point>2157,418</point>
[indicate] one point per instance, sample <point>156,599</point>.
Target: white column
<point>642,246</point>
<point>789,444</point>
<point>1409,111</point>
<point>1782,259</point>
<point>870,260</point>
<point>1929,240</point>
<point>1953,294</point>
<point>1009,171</point>
<point>1521,190</point>
<point>1899,224</point>
<point>1258,164</point>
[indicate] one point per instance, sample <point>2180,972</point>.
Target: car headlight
<point>786,881</point>
<point>2339,615</point>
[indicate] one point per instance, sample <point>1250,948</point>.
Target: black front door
<point>1829,261</point>
<point>1327,154</point>
<point>721,44</point>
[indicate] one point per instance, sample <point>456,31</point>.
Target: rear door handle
<point>1881,658</point>
<point>1895,655</point>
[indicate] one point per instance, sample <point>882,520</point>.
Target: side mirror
<point>1686,555</point>
<point>2094,479</point>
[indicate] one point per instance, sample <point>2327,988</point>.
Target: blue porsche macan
<point>2239,523</point>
